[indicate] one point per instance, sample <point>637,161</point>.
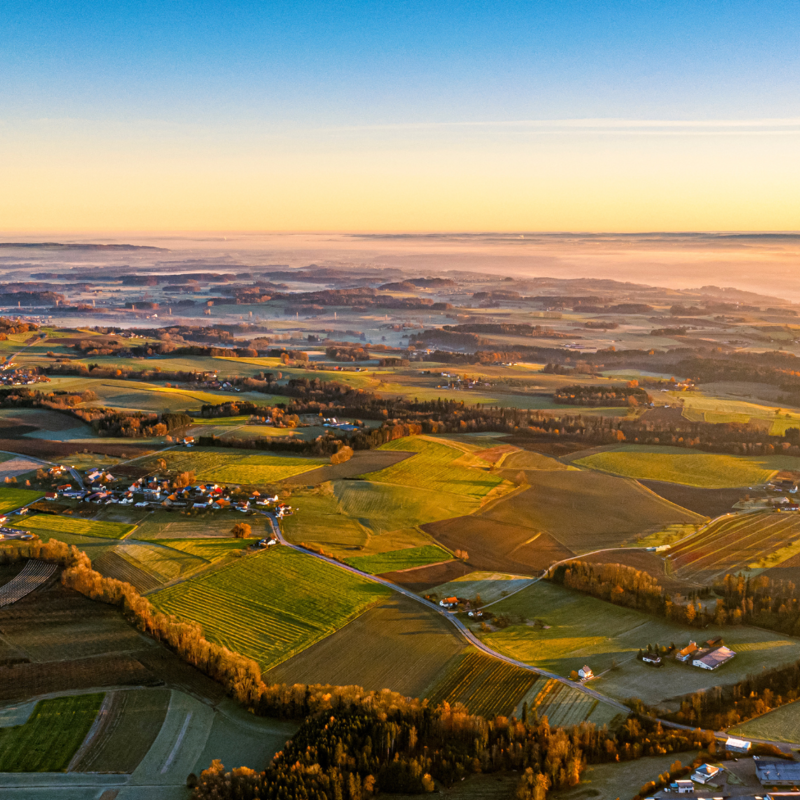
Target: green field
<point>49,523</point>
<point>162,524</point>
<point>584,630</point>
<point>51,736</point>
<point>400,559</point>
<point>433,468</point>
<point>491,586</point>
<point>271,605</point>
<point>11,499</point>
<point>689,467</point>
<point>782,725</point>
<point>235,466</point>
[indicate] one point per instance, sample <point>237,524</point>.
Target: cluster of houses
<point>332,422</point>
<point>154,493</point>
<point>20,377</point>
<point>710,657</point>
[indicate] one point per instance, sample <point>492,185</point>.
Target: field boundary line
<point>664,500</point>
<point>178,742</point>
<point>97,725</point>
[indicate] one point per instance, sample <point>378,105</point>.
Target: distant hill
<point>59,246</point>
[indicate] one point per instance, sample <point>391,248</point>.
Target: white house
<point>584,673</point>
<point>682,787</point>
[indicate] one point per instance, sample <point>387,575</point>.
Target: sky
<point>403,116</point>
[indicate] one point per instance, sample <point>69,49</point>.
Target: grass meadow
<point>584,630</point>
<point>11,499</point>
<point>407,558</point>
<point>51,736</point>
<point>43,524</point>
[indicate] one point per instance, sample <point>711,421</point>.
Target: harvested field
<point>272,605</point>
<point>127,728</point>
<point>58,624</point>
<point>161,562</point>
<point>113,565</point>
<point>433,468</point>
<point>52,450</point>
<point>733,543</point>
<point>788,570</point>
<point>424,578</point>
<point>43,524</point>
<point>494,545</point>
<point>41,423</point>
<point>525,460</point>
<point>164,665</point>
<point>546,446</point>
<point>14,467</point>
<point>408,647</point>
<point>164,525</point>
<point>34,574</point>
<point>50,737</point>
<point>21,681</point>
<point>363,461</point>
<point>496,454</point>
<point>408,558</point>
<point>484,685</point>
<point>584,510</point>
<point>708,502</point>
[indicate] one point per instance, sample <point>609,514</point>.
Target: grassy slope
<point>14,498</point>
<point>47,523</point>
<point>400,559</point>
<point>693,468</point>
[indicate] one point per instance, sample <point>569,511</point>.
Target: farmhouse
<point>449,602</point>
<point>712,659</point>
<point>584,673</point>
<point>682,787</point>
<point>652,659</point>
<point>687,652</point>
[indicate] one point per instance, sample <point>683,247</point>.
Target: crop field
<point>271,605</point>
<point>408,645</point>
<point>28,579</point>
<point>11,499</point>
<point>408,558</point>
<point>363,461</point>
<point>51,736</point>
<point>161,525</point>
<point>235,466</point>
<point>693,468</point>
<point>49,523</point>
<point>735,543</point>
<point>424,579</point>
<point>584,630</point>
<point>210,550</point>
<point>706,502</point>
<point>490,586</point>
<point>126,732</point>
<point>484,685</point>
<point>698,407</point>
<point>782,724</point>
<point>583,510</point>
<point>320,520</point>
<point>112,565</point>
<point>433,468</point>
<point>164,563</point>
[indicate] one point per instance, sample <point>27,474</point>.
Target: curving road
<point>451,618</point>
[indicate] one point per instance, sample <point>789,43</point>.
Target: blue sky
<point>154,78</point>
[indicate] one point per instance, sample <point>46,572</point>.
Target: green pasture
<point>408,558</point>
<point>489,586</point>
<point>51,736</point>
<point>689,467</point>
<point>50,523</point>
<point>272,605</point>
<point>584,630</point>
<point>433,469</point>
<point>782,725</point>
<point>11,499</point>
